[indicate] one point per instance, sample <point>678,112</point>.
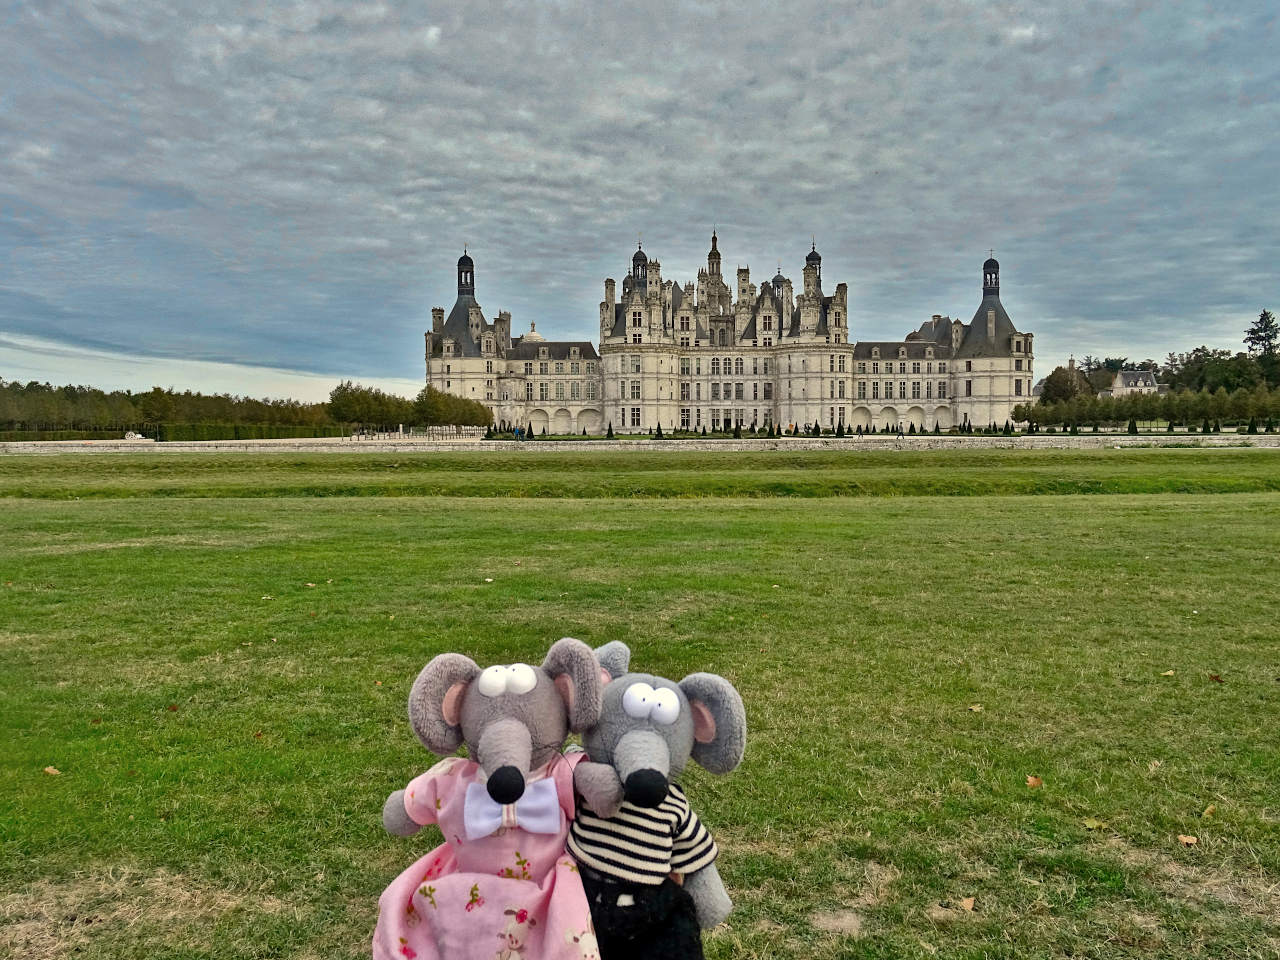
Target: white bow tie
<point>537,811</point>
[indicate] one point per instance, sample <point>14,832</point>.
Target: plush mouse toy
<point>501,886</point>
<point>647,862</point>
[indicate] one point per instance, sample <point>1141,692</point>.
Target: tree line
<point>42,407</point>
<point>1191,407</point>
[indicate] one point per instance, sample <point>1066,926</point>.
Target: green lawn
<point>530,472</point>
<point>226,732</point>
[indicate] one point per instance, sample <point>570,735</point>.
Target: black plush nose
<point>506,785</point>
<point>645,788</point>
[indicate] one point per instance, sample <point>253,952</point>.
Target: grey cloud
<point>279,186</point>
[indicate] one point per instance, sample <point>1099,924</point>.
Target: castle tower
<point>466,275</point>
<point>639,270</point>
<point>813,272</point>
<point>991,278</point>
<point>713,257</point>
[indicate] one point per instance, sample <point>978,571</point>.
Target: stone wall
<point>926,442</point>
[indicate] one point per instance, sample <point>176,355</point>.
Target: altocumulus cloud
<point>289,186</point>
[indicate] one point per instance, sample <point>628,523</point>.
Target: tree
<point>609,434</point>
<point>1263,335</point>
<point>1063,384</point>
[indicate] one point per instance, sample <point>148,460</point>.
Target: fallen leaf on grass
<point>1187,841</point>
<point>268,597</point>
<point>310,584</point>
<point>96,720</point>
<point>1154,765</point>
<point>975,708</point>
<point>329,580</point>
<point>258,735</point>
<point>52,771</point>
<point>1093,823</point>
<point>1167,673</point>
<point>1208,811</point>
<point>1034,782</point>
<point>488,579</point>
<point>967,903</point>
<point>1216,678</point>
<point>377,683</point>
<point>172,708</point>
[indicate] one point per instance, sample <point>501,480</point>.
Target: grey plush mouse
<point>635,837</point>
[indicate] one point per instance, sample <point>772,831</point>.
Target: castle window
<point>635,416</point>
<point>573,353</point>
<point>635,389</point>
<point>575,390</point>
<point>768,322</point>
<point>841,391</point>
<point>888,389</point>
<point>768,390</point>
<point>968,388</point>
<point>902,368</point>
<point>831,363</point>
<point>766,366</point>
<point>915,366</point>
<point>755,391</point>
<point>724,336</point>
<point>591,389</point>
<point>915,389</point>
<point>684,417</point>
<point>528,390</point>
<point>636,318</point>
<point>542,353</point>
<point>635,363</point>
<point>968,366</point>
<point>528,369</point>
<point>635,338</point>
<point>928,389</point>
<point>1017,387</point>
<point>942,389</point>
<point>902,389</point>
<point>942,367</point>
<point>902,351</point>
<point>543,369</point>
<point>1017,363</point>
<point>684,366</point>
<point>840,364</point>
<point>684,341</point>
<point>715,365</point>
<point>929,352</point>
<point>715,391</point>
<point>862,366</point>
<point>544,391</point>
<point>875,390</point>
<point>684,390</point>
<point>737,392</point>
<point>575,369</point>
<point>875,368</point>
<point>1017,346</point>
<point>684,324</point>
<point>559,368</point>
<point>875,352</point>
<point>737,366</point>
<point>768,341</point>
<point>862,389</point>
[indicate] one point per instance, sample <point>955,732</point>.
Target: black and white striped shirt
<point>643,845</point>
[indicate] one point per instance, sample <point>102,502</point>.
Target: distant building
<point>1135,381</point>
<point>705,355</point>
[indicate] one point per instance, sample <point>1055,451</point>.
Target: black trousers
<point>662,924</point>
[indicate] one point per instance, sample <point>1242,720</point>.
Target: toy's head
<point>650,727</point>
<point>512,718</point>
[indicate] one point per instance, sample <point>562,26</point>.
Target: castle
<point>705,355</point>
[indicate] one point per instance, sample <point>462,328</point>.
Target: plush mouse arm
<point>395,819</point>
<point>710,898</point>
<point>599,786</point>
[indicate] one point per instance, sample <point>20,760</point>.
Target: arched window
<point>715,365</point>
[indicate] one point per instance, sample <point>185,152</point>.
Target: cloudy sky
<point>265,197</point>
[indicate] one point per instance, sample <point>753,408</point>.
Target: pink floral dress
<point>511,895</point>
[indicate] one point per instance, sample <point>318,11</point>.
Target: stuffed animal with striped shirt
<point>647,862</point>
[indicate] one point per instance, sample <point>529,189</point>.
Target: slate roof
<point>1138,378</point>
<point>457,325</point>
<point>976,343</point>
<point>556,349</point>
<point>916,350</point>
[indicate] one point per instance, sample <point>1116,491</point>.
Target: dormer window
<point>928,352</point>
<point>542,353</point>
<point>875,352</point>
<point>902,352</point>
<point>573,353</point>
<point>1017,346</point>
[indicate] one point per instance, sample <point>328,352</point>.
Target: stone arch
<point>861,418</point>
<point>539,420</point>
<point>590,421</point>
<point>561,422</point>
<point>887,415</point>
<point>914,415</point>
<point>942,417</point>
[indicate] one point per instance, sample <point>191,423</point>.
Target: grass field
<point>218,673</point>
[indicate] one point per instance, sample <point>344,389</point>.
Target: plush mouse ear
<point>576,673</point>
<point>719,721</point>
<point>435,702</point>
<point>615,658</point>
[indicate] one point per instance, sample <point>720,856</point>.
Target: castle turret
<point>991,278</point>
<point>466,275</point>
<point>437,319</point>
<point>713,257</point>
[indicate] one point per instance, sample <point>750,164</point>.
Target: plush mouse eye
<point>638,700</point>
<point>521,678</point>
<point>493,681</point>
<point>666,706</point>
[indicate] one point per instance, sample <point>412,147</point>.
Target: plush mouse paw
<point>396,819</point>
<point>710,899</point>
<point>600,787</point>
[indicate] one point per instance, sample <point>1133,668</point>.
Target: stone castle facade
<point>709,355</point>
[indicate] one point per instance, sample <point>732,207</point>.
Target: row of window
<point>575,368</point>
<point>575,390</point>
<point>902,389</point>
<point>902,366</point>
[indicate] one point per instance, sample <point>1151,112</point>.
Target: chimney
<point>437,319</point>
<point>609,292</point>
